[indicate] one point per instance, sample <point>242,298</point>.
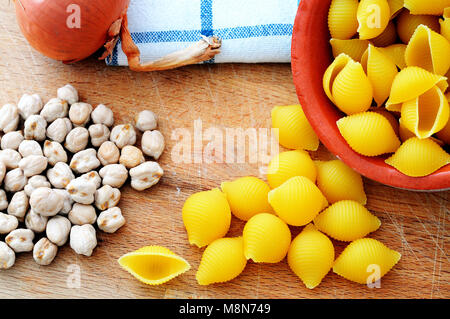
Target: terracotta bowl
<point>311,55</point>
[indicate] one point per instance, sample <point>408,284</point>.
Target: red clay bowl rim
<point>309,63</point>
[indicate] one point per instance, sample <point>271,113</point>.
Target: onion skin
<point>44,25</point>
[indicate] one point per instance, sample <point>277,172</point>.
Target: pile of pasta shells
<point>390,78</point>
<point>327,197</point>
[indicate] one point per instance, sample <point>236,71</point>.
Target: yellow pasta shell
<point>445,24</point>
<point>206,216</point>
<point>381,72</point>
<point>407,23</point>
<point>435,7</point>
<point>359,259</point>
<point>412,82</point>
<point>346,220</point>
<point>354,48</point>
<point>419,157</point>
<point>396,53</point>
<point>373,17</point>
<point>388,37</point>
<point>404,133</point>
<point>297,201</point>
<point>395,7</point>
<point>247,197</point>
<point>311,256</point>
<point>289,164</point>
<point>154,265</point>
<point>294,130</point>
<point>342,21</point>
<point>352,91</point>
<point>389,116</point>
<point>337,182</point>
<point>266,239</point>
<point>332,71</point>
<point>444,134</point>
<point>223,260</point>
<point>427,114</point>
<point>428,50</point>
<point>369,133</point>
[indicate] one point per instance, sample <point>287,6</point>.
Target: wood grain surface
<point>222,96</point>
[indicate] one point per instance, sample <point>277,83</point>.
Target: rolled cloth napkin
<point>251,31</point>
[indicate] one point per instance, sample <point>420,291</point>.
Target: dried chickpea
<point>60,175</point>
<point>3,200</point>
<point>7,256</point>
<point>20,240</point>
<point>18,206</point>
<point>145,175</point>
<point>110,220</point>
<point>34,183</point>
<point>54,109</point>
<point>12,140</point>
<point>68,202</point>
<point>114,175</point>
<point>77,139</point>
<point>33,165</point>
<point>107,197</point>
<point>58,130</point>
<point>9,118</point>
<point>15,180</point>
<point>99,134</point>
<point>82,214</point>
<point>80,113</point>
<point>10,158</point>
<point>36,222</point>
<point>81,191</point>
<point>108,153</point>
<point>146,121</point>
<point>85,161</point>
<point>68,93</point>
<point>8,223</point>
<point>131,156</point>
<point>92,177</point>
<point>58,230</point>
<point>35,128</point>
<point>54,152</point>
<point>46,202</point>
<point>44,252</point>
<point>29,105</point>
<point>102,115</point>
<point>153,143</point>
<point>30,147</point>
<point>123,135</point>
<point>83,239</point>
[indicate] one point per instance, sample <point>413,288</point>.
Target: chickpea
<point>145,175</point>
<point>58,130</point>
<point>110,220</point>
<point>33,165</point>
<point>85,161</point>
<point>3,200</point>
<point>8,223</point>
<point>81,191</point>
<point>83,239</point>
<point>7,256</point>
<point>36,182</point>
<point>54,109</point>
<point>20,240</point>
<point>153,144</point>
<point>108,153</point>
<point>82,214</point>
<point>99,134</point>
<point>131,156</point>
<point>36,222</point>
<point>102,115</point>
<point>54,152</point>
<point>146,121</point>
<point>46,202</point>
<point>29,105</point>
<point>58,230</point>
<point>60,175</point>
<point>77,139</point>
<point>114,175</point>
<point>18,205</point>
<point>35,128</point>
<point>92,177</point>
<point>10,158</point>
<point>80,113</point>
<point>123,135</point>
<point>15,180</point>
<point>30,147</point>
<point>9,118</point>
<point>44,252</point>
<point>107,197</point>
<point>12,140</point>
<point>68,202</point>
<point>68,93</point>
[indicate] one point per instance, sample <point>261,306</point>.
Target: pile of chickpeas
<point>61,174</point>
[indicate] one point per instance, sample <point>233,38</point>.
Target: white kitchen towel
<point>252,31</point>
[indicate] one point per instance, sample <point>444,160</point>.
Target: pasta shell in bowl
<point>318,66</point>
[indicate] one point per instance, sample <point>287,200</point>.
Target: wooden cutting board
<point>222,96</point>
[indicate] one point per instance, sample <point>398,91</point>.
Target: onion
<point>72,30</point>
<point>44,25</point>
